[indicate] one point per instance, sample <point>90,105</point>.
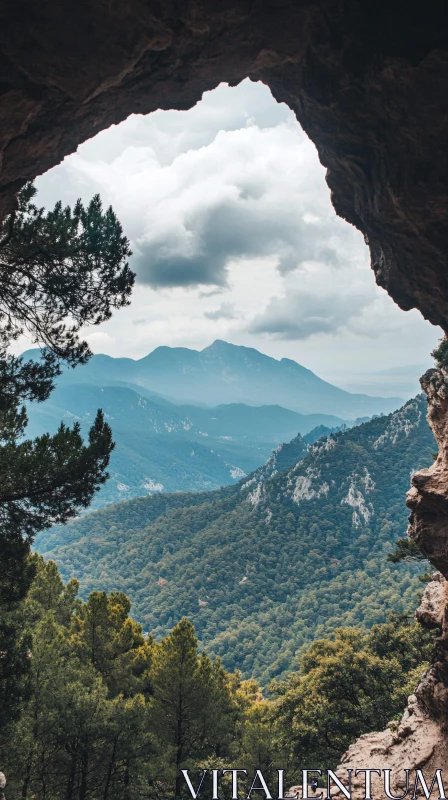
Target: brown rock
<point>431,611</point>
<point>421,739</point>
<point>368,82</point>
<point>428,497</point>
<point>418,742</point>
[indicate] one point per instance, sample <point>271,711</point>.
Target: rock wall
<point>420,739</point>
<point>428,497</point>
<point>368,80</point>
<point>417,742</point>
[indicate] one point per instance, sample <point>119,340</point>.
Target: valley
<point>182,446</point>
<point>263,567</point>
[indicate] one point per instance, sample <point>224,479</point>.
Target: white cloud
<point>252,191</point>
<point>99,341</point>
<point>235,237</point>
<point>225,311</point>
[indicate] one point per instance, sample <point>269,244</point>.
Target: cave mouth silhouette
<point>367,81</point>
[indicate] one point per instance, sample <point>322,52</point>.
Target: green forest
<point>248,625</point>
<point>263,568</point>
<point>101,710</point>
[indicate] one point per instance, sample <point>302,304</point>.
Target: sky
<point>234,237</point>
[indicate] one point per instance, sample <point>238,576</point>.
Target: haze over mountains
<point>227,373</point>
<point>163,447</point>
<point>194,445</point>
<point>261,568</point>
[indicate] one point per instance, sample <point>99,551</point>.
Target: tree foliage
<point>108,712</point>
<point>261,580</point>
<point>405,550</point>
<point>59,271</point>
<point>440,353</point>
<point>347,686</point>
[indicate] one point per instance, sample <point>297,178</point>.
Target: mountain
<point>261,568</point>
<point>164,447</point>
<point>224,373</point>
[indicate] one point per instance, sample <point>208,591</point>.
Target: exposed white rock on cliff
<point>359,485</point>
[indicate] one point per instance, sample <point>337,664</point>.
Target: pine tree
<point>189,694</point>
<point>103,635</point>
<point>76,738</point>
<point>59,271</point>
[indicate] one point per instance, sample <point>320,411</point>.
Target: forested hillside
<point>264,567</point>
<point>100,710</point>
<point>161,447</point>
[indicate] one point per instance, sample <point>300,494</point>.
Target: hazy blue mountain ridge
<point>225,373</point>
<point>164,447</point>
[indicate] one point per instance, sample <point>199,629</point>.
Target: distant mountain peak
<point>220,344</point>
<point>224,373</point>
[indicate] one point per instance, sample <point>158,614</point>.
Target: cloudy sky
<point>234,237</point>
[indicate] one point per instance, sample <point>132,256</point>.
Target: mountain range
<point>194,446</point>
<point>164,447</point>
<point>224,373</point>
<point>262,567</point>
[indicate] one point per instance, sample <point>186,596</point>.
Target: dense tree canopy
<point>106,712</point>
<point>258,571</point>
<point>346,686</point>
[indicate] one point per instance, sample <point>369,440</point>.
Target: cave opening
<point>367,82</point>
<point>234,238</point>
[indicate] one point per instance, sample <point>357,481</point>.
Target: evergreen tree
<point>189,693</point>
<point>76,737</point>
<point>347,686</point>
<point>103,635</point>
<point>59,271</point>
<point>110,713</point>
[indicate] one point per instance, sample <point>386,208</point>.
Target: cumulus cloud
<point>194,197</point>
<point>302,314</point>
<point>228,202</point>
<point>225,311</point>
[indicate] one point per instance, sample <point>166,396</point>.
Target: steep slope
<point>227,373</point>
<point>293,552</point>
<point>164,447</point>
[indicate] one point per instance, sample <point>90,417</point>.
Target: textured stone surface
<point>431,611</point>
<point>428,497</point>
<point>368,80</point>
<point>417,742</point>
<point>421,739</point>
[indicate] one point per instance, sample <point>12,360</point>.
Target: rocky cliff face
<point>428,497</point>
<point>367,79</point>
<point>420,741</point>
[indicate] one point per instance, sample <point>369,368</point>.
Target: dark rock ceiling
<point>367,79</point>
